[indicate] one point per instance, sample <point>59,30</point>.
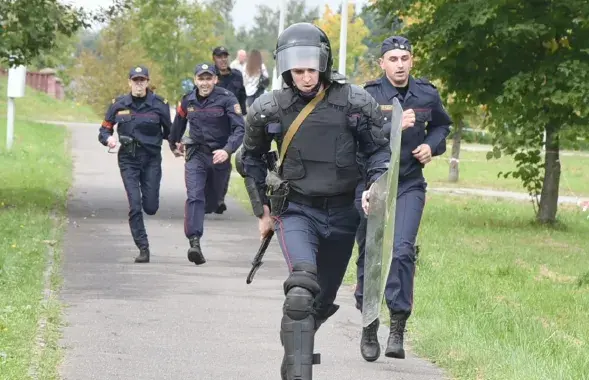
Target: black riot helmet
<point>303,45</point>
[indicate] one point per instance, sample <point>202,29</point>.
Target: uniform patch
<point>124,112</point>
<point>237,108</point>
<point>386,107</point>
<point>190,109</point>
<point>113,101</point>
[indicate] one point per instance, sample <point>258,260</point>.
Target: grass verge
<point>37,105</point>
<point>36,175</point>
<point>498,297</point>
<point>478,172</point>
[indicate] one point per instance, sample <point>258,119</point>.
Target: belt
<point>333,201</point>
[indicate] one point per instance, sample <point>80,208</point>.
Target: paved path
<point>170,319</point>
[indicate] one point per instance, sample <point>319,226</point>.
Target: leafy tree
<point>30,28</point>
<point>330,22</point>
<point>528,62</point>
<point>102,75</point>
<point>177,35</point>
<point>263,34</point>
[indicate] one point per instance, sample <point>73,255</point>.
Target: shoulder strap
<point>294,127</point>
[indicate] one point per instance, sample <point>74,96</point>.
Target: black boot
<point>221,209</point>
<point>395,342</point>
<point>369,346</point>
<point>143,256</point>
<point>194,252</point>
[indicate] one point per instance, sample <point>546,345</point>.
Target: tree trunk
<point>549,198</point>
<point>456,138</point>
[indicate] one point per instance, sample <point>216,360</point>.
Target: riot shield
<point>380,230</point>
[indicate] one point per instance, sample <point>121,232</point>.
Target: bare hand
<point>111,141</point>
<point>220,156</point>
<point>423,153</point>
<point>408,119</point>
<point>180,147</point>
<point>366,200</point>
<point>265,223</point>
<point>177,153</point>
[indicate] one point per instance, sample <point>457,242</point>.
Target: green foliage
<point>176,35</point>
<point>30,28</point>
<point>527,61</point>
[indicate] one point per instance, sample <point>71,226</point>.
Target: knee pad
<point>300,289</point>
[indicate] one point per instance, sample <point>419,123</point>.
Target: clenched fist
<point>408,119</point>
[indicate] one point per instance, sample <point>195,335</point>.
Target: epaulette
<point>424,80</point>
<point>370,83</point>
<point>114,100</point>
<point>161,98</point>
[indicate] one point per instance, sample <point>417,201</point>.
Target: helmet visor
<point>301,57</point>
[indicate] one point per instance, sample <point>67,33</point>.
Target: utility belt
<point>322,203</point>
<point>191,147</point>
<point>129,145</point>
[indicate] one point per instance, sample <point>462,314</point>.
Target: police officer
<point>210,119</point>
<point>425,127</point>
<point>232,80</point>
<point>316,220</point>
<point>143,122</point>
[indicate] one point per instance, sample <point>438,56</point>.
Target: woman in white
<point>255,77</point>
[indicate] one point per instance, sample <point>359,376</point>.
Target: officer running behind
<point>143,122</point>
<point>317,220</point>
<point>232,80</point>
<point>210,119</point>
<point>425,128</point>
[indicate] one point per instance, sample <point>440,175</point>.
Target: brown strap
<point>294,127</point>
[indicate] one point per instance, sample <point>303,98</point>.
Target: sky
<point>243,12</point>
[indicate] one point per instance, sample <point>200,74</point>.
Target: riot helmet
<point>303,45</point>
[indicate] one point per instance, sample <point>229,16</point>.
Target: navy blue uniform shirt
<point>215,121</point>
<point>432,122</point>
<point>146,120</point>
<point>234,83</point>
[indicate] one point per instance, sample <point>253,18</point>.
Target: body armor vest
<point>321,158</point>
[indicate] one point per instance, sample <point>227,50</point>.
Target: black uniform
<point>142,125</point>
<point>432,126</point>
<point>232,82</point>
<point>317,224</point>
<point>211,123</point>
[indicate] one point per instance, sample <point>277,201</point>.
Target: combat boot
<point>143,256</point>
<point>194,252</point>
<point>395,342</point>
<point>369,346</point>
<point>221,209</point>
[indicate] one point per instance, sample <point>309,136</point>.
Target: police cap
<point>395,42</point>
<point>205,68</point>
<point>220,50</point>
<point>139,72</point>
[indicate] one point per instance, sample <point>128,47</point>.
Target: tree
<point>30,28</point>
<point>330,23</point>
<point>176,35</point>
<point>264,33</point>
<point>528,62</point>
<point>101,75</point>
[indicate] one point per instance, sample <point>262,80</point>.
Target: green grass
<point>478,172</point>
<point>497,296</point>
<point>36,174</point>
<point>36,105</point>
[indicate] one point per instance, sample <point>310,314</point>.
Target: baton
<point>257,262</point>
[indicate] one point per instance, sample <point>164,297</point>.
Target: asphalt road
<point>170,319</point>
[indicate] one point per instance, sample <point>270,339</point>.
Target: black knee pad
<point>304,275</point>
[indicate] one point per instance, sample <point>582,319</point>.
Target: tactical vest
<point>321,158</point>
<point>143,124</point>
